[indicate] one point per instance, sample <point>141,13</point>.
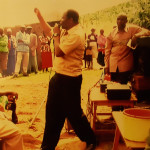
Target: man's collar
<point>73,28</point>
<point>125,29</point>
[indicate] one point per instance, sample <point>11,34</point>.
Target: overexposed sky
<point>17,12</point>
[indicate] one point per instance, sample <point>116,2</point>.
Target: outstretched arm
<point>44,24</point>
<point>143,32</point>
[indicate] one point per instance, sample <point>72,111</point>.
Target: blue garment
<point>11,56</point>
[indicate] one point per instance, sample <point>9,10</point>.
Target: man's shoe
<point>15,76</point>
<point>25,74</point>
<point>90,147</point>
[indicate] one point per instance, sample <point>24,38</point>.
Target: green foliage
<point>138,12</point>
<point>144,13</point>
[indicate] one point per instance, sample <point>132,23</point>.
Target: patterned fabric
<point>4,43</point>
<point>22,46</point>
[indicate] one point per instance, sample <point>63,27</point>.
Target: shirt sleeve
<point>135,30</point>
<point>18,37</point>
<point>108,50</point>
<point>70,43</point>
<point>27,40</point>
<point>143,32</point>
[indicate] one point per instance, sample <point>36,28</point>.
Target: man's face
<point>28,30</point>
<point>93,31</point>
<point>1,31</point>
<point>64,22</point>
<point>9,33</point>
<point>121,22</point>
<point>101,32</point>
<point>22,29</point>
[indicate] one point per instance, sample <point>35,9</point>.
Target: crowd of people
<point>95,49</point>
<point>22,53</point>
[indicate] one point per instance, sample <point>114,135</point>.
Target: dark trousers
<point>11,64</point>
<point>100,58</point>
<point>121,77</point>
<point>64,101</point>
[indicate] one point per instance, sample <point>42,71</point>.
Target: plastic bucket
<point>136,124</point>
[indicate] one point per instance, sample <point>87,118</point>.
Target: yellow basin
<point>136,124</point>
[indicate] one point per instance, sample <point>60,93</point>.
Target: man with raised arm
<point>64,99</point>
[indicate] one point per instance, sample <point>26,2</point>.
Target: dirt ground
<point>32,92</point>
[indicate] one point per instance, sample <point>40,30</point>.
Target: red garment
<point>45,43</point>
<point>9,43</point>
<point>46,59</point>
<point>45,50</point>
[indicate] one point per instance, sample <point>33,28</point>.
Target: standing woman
<point>3,52</point>
<point>93,43</point>
<point>12,52</point>
<point>101,41</point>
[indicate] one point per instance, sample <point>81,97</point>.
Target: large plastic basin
<point>136,124</point>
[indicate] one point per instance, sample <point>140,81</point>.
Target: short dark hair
<point>123,15</point>
<point>73,14</point>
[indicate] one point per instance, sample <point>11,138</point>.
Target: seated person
<point>10,135</point>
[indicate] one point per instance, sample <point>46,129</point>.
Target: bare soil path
<point>32,92</point>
